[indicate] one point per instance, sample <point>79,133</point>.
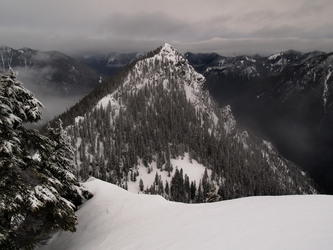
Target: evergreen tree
<point>38,190</point>
<point>193,190</point>
<point>177,191</point>
<point>200,196</point>
<point>141,185</point>
<point>166,190</point>
<point>212,195</point>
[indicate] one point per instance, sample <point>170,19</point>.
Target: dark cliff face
<point>287,97</point>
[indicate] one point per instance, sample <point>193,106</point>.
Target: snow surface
<point>268,145</point>
<point>325,92</point>
<point>117,219</point>
<point>104,102</point>
<point>274,56</point>
<point>78,119</point>
<point>192,168</point>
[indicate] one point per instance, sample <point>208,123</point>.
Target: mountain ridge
<point>160,112</point>
<point>286,96</point>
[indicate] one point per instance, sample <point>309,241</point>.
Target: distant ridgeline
<point>152,126</point>
<point>52,73</point>
<point>287,97</point>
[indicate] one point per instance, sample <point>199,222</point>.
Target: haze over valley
<point>119,124</point>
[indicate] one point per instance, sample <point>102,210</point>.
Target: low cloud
<point>36,81</point>
<point>41,57</point>
<point>251,46</point>
<point>230,26</point>
<point>148,26</point>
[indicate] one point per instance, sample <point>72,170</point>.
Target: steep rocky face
<point>288,98</point>
<point>157,131</point>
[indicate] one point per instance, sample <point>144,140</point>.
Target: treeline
<point>182,189</point>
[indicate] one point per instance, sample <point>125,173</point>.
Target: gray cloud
<point>251,46</point>
<point>150,26</point>
<point>231,26</point>
<point>41,57</point>
<point>228,27</point>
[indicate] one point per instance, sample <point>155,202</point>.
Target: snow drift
<point>117,219</point>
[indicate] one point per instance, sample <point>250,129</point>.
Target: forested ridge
<point>160,112</point>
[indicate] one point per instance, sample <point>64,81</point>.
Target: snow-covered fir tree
<point>38,191</point>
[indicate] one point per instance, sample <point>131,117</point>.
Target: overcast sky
<point>228,27</point>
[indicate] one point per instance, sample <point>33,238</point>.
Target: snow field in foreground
<point>117,219</point>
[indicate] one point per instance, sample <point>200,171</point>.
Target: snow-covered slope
<point>158,118</point>
<point>117,219</point>
<point>194,170</point>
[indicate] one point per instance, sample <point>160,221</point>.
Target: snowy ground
<point>193,169</point>
<point>117,219</point>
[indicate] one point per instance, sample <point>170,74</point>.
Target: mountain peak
<point>168,46</point>
<point>167,51</point>
<point>159,121</point>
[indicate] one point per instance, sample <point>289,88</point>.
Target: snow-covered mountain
<point>153,129</point>
<point>250,66</point>
<point>116,219</point>
<point>52,76</point>
<point>286,96</point>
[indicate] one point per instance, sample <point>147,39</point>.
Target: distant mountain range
<point>57,79</point>
<point>286,96</point>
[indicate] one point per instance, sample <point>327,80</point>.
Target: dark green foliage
<point>177,191</point>
<point>141,185</point>
<point>38,191</point>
